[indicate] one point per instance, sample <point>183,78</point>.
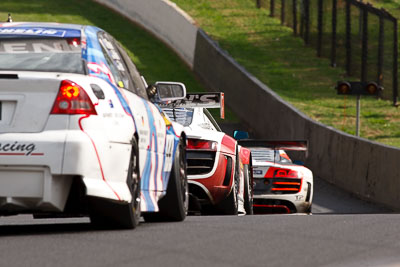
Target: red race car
<point>219,170</point>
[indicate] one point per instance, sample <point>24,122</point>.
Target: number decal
<point>169,147</point>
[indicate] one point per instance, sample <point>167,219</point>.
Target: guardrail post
<point>380,49</point>
<point>395,64</point>
<point>320,28</point>
<point>307,21</point>
<point>302,18</point>
<point>348,38</point>
<point>364,46</point>
<point>295,17</point>
<point>333,43</point>
<point>272,8</point>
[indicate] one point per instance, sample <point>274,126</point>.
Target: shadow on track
<point>329,199</point>
<point>25,225</point>
<point>45,229</point>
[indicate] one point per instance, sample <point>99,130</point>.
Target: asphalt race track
<point>342,231</point>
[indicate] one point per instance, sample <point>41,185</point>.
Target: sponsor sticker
<point>33,31</point>
<point>257,172</point>
<point>18,149</point>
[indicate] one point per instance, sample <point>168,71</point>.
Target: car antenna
<point>9,18</point>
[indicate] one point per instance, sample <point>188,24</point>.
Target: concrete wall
<point>163,19</point>
<point>367,169</point>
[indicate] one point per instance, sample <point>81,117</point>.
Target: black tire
<point>248,190</point>
<point>309,210</point>
<point>105,213</point>
<point>175,204</point>
<point>230,205</point>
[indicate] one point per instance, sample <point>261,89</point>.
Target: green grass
<point>282,61</point>
<point>153,59</point>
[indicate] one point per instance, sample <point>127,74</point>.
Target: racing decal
<point>148,177</point>
<point>97,155</point>
<point>18,149</point>
<point>145,181</point>
<point>206,100</point>
<point>98,67</point>
<point>158,165</point>
<point>47,32</point>
<point>101,69</point>
<point>153,173</point>
<point>171,135</point>
<point>12,47</point>
<point>142,201</point>
<point>93,54</point>
<point>169,147</point>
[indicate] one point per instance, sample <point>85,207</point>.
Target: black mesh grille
<point>200,162</point>
<point>276,186</point>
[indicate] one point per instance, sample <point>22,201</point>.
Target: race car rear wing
<point>287,145</point>
<point>292,145</point>
<point>204,100</point>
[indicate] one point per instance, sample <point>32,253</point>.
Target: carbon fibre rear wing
<point>204,100</point>
<point>292,145</point>
<point>287,145</point>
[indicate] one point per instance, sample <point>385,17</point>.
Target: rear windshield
<point>53,55</point>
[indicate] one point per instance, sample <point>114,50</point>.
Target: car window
<point>41,54</point>
<point>114,60</point>
<point>211,119</point>
<point>134,74</point>
<point>106,46</point>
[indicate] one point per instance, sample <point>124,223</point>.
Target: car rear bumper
<point>37,170</point>
<point>32,188</point>
<point>284,203</point>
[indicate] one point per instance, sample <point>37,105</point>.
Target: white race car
<point>280,185</point>
<point>219,171</point>
<point>78,135</point>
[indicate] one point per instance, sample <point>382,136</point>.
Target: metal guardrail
<point>353,34</point>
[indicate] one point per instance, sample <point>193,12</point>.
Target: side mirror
<point>239,135</point>
<point>170,91</point>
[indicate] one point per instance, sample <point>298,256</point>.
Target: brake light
<point>274,172</point>
<point>201,144</point>
<point>74,41</point>
<point>72,99</point>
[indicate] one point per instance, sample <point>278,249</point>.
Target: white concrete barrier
<point>163,19</point>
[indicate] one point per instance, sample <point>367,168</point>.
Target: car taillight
<point>201,144</point>
<point>74,41</point>
<point>72,99</point>
<point>274,172</point>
